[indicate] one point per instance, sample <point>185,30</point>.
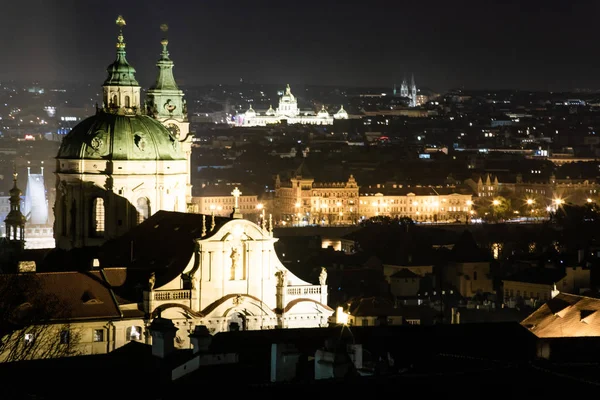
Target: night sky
<point>492,44</point>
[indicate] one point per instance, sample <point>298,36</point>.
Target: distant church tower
<point>404,89</point>
<point>15,220</point>
<point>118,167</point>
<point>413,92</point>
<point>166,104</point>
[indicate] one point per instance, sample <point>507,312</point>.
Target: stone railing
<point>164,295</point>
<point>303,290</point>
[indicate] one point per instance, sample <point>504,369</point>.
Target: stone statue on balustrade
<point>281,278</point>
<point>323,276</point>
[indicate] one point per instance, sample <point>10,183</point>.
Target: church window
<point>98,216</point>
<point>98,335</point>
<point>134,333</point>
<point>115,102</point>
<point>143,209</point>
<point>127,102</point>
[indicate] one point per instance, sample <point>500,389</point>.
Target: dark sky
<point>529,44</point>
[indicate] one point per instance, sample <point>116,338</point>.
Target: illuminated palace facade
<point>288,111</point>
<point>300,200</point>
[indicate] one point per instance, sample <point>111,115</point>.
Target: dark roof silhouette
<point>467,250</point>
<point>303,171</point>
<point>542,275</point>
<point>163,244</point>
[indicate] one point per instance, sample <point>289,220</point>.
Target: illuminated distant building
<point>300,200</point>
<point>419,203</point>
<point>411,93</point>
<point>288,111</point>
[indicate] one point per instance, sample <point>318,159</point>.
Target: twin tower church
<point>123,185</point>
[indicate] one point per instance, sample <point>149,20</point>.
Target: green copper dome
<point>109,136</point>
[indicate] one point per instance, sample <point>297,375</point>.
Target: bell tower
<point>165,102</point>
<point>15,220</point>
<point>121,91</point>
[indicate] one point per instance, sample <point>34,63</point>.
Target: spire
<point>120,73</point>
<point>15,221</point>
<point>165,79</point>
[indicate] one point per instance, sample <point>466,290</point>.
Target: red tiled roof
<point>78,295</point>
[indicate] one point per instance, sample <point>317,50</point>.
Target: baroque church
<point>127,250</point>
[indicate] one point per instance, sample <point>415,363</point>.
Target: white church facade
<point>289,112</point>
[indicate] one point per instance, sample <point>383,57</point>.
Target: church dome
<point>250,113</point>
<point>112,136</point>
<point>270,112</point>
<point>341,114</point>
<point>323,113</point>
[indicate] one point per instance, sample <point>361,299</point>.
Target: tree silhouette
<point>28,315</point>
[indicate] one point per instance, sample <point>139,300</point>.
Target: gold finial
<point>120,21</point>
<point>164,28</point>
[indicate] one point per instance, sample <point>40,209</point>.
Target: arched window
<point>115,101</point>
<point>98,217</point>
<point>133,333</point>
<point>127,102</point>
<point>143,209</point>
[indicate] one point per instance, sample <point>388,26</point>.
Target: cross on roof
<point>236,194</point>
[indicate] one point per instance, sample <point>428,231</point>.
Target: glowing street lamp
<point>496,202</point>
<point>530,202</point>
<point>589,200</point>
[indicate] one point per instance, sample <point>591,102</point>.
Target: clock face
<point>174,129</point>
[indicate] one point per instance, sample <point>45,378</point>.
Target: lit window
<point>143,209</point>
<point>98,335</point>
<point>134,333</point>
<point>98,216</point>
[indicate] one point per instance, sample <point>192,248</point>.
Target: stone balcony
<point>169,295</point>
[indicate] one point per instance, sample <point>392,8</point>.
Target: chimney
<point>201,339</point>
<point>163,336</point>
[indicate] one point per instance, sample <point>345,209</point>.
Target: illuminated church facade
<point>123,185</point>
<point>289,112</point>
